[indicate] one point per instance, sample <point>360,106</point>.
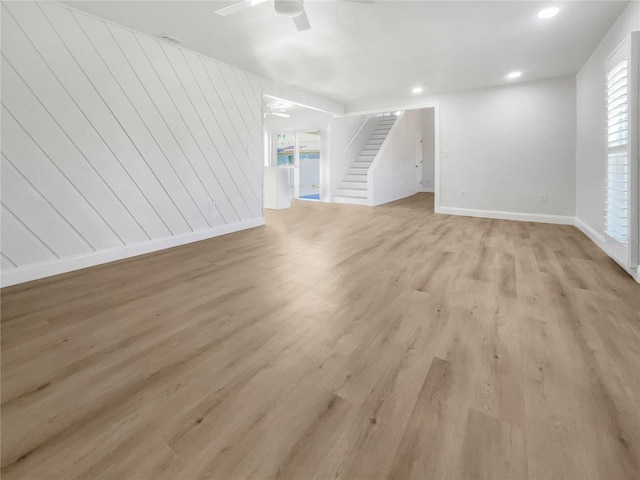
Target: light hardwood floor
<point>336,341</point>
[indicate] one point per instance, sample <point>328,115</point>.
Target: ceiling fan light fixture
<point>289,8</point>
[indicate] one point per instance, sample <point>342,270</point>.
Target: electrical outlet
<point>463,194</point>
<point>212,207</point>
<point>446,153</point>
<point>542,197</point>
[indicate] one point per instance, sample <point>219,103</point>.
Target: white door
<point>419,165</point>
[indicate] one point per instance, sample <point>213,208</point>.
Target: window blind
<point>621,193</point>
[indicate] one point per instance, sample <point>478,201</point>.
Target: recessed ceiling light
<point>513,75</point>
<point>548,13</point>
<point>416,90</point>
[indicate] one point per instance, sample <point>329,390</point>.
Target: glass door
<point>309,161</point>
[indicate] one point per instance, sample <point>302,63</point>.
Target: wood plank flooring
<point>335,342</point>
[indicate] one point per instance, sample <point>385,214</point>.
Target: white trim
<point>436,160</point>
<point>366,120</point>
<point>33,272</point>
<point>395,108</point>
<point>427,190</point>
<point>517,216</point>
<point>595,236</point>
<point>598,238</point>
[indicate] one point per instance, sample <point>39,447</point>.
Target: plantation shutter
<point>621,211</point>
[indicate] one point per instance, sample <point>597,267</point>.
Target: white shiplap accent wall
<point>116,144</point>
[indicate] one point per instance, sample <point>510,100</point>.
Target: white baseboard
<point>520,217</point>
<point>34,272</point>
<point>427,189</point>
<point>594,236</point>
<point>599,239</point>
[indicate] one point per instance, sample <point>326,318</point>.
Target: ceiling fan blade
<point>236,7</point>
<point>302,22</point>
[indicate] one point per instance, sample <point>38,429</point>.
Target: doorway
<point>297,146</point>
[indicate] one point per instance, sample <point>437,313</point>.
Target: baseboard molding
<point>595,236</point>
<point>34,272</point>
<point>427,190</point>
<point>599,239</point>
<point>499,215</point>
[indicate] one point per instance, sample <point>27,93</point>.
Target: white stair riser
<point>357,171</point>
<point>347,192</point>
<point>352,177</point>
<point>359,164</point>
<point>349,200</point>
<point>354,185</point>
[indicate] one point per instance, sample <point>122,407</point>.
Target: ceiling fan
<point>289,8</point>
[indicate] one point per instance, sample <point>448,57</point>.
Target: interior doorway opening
<point>297,153</point>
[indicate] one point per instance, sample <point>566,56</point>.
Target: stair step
<point>353,185</point>
<point>358,171</point>
<point>350,192</point>
<point>378,136</point>
<point>374,142</point>
<point>356,177</point>
<point>381,130</point>
<point>369,152</point>
<point>349,200</point>
<point>360,164</point>
<point>365,157</point>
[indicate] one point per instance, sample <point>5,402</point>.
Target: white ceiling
<point>370,55</point>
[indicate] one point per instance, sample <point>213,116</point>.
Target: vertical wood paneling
<point>43,77</point>
<point>39,215</point>
<point>151,204</point>
<point>144,123</point>
<point>164,119</point>
<point>112,139</point>
<point>37,133</point>
<point>19,244</point>
<point>194,138</point>
<point>202,124</point>
<point>205,94</point>
<point>251,100</point>
<point>211,89</point>
<point>235,102</point>
<point>5,262</point>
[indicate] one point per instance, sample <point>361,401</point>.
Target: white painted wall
<point>393,172</point>
<point>591,156</point>
<point>116,144</point>
<point>428,149</point>
<point>348,136</point>
<point>506,146</point>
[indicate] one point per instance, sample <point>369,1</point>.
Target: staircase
<point>354,187</point>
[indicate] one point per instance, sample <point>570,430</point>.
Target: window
<point>621,211</point>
